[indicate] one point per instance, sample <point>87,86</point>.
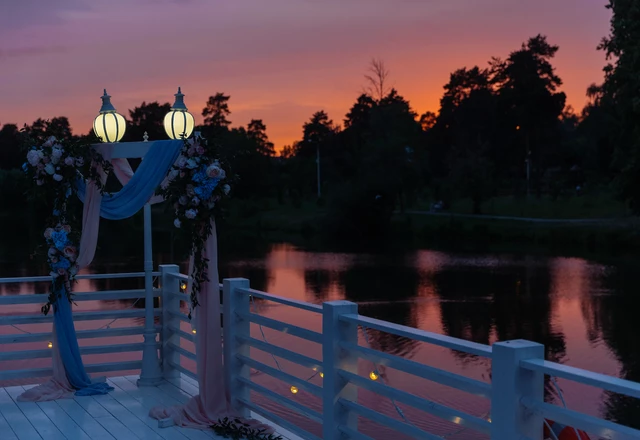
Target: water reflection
<point>583,312</point>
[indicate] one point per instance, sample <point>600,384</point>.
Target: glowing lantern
<point>109,125</point>
<point>179,123</point>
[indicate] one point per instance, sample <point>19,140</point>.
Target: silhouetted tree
<point>11,153</point>
<point>147,118</point>
<point>217,111</point>
<point>377,79</point>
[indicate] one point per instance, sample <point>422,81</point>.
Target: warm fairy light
<point>374,375</point>
<point>517,127</point>
<point>50,344</point>
<point>294,390</point>
<point>457,420</point>
<point>321,374</point>
<point>183,286</point>
<point>193,331</point>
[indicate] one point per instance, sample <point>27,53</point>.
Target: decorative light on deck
<point>179,123</point>
<point>374,375</point>
<point>109,125</point>
<point>50,344</point>
<point>294,390</point>
<point>457,420</point>
<point>193,331</point>
<point>321,374</point>
<point>183,286</point>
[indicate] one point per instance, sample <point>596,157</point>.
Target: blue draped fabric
<point>123,204</point>
<point>141,187</point>
<point>70,352</point>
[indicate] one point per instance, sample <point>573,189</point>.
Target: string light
<point>294,390</point>
<point>183,286</point>
<point>50,344</point>
<point>374,375</point>
<point>321,374</point>
<point>193,331</point>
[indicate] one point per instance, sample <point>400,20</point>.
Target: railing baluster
<point>170,284</point>
<point>334,358</point>
<point>510,385</point>
<point>236,303</point>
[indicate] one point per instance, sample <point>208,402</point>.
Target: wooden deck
<point>120,415</point>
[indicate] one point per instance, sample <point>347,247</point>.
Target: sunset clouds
<point>280,60</point>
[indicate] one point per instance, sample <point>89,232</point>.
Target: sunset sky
<point>280,60</point>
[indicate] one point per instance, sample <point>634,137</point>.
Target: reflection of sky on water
<point>579,309</point>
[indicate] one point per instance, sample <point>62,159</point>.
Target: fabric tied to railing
<point>138,189</point>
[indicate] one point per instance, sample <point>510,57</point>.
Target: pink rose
<point>200,149</point>
<point>61,272</point>
<point>70,251</point>
<point>191,151</point>
<point>181,162</point>
<point>40,166</point>
<point>47,233</point>
<point>69,161</point>
<point>66,228</point>
<point>54,259</point>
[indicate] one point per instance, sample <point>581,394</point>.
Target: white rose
<point>69,161</point>
<point>173,174</point>
<point>226,189</point>
<point>191,164</point>
<point>191,213</point>
<point>57,177</point>
<point>177,223</point>
<point>40,154</point>
<point>33,157</point>
<point>49,142</point>
<point>50,169</point>
<point>195,201</point>
<point>79,162</point>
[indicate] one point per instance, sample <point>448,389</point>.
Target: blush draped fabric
<point>212,404</point>
<point>69,373</point>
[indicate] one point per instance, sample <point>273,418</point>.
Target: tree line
<point>502,129</point>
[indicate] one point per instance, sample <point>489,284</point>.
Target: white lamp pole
<point>150,374</point>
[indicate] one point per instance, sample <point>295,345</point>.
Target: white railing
<point>9,339</point>
<point>516,393</point>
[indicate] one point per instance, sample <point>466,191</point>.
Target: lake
<point>584,312</point>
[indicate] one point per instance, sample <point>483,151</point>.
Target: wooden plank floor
<point>123,414</point>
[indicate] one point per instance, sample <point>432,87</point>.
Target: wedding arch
<point>185,173</point>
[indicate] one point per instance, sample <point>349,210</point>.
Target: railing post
<point>234,303</point>
<point>334,358</point>
<point>151,374</point>
<point>510,384</point>
<point>169,285</point>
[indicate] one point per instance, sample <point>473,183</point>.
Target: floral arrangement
<point>54,168</point>
<point>196,185</point>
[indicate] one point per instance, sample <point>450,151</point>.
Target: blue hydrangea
<point>63,263</point>
<point>60,239</point>
<point>201,175</point>
<point>206,184</point>
<point>25,167</point>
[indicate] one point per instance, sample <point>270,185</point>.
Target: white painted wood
<point>124,416</point>
<point>63,422</point>
<point>81,334</point>
<point>188,336</point>
<point>179,316</point>
<point>125,150</point>
<point>236,305</point>
<point>77,316</point>
<point>86,350</point>
<point>436,409</point>
<point>169,355</point>
<point>433,374</point>
<point>181,351</point>
<point>103,276</point>
<point>183,370</point>
<point>281,375</point>
<point>603,381</point>
<point>410,430</point>
<point>5,428</point>
<point>20,425</point>
<point>334,359</point>
<point>106,295</point>
<point>282,300</point>
<point>287,403</point>
<point>282,353</point>
<point>512,383</point>
<point>593,425</point>
<point>276,419</point>
<point>142,413</point>
<point>178,275</point>
<point>92,368</point>
<point>82,418</point>
<point>36,417</point>
<point>284,327</point>
<point>420,335</point>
